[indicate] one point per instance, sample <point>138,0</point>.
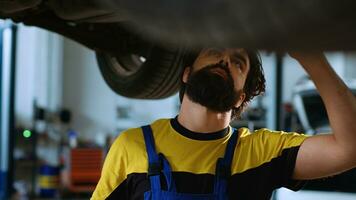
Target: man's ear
<point>241,99</point>
<point>186,74</point>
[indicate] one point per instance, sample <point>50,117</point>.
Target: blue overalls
<point>158,165</point>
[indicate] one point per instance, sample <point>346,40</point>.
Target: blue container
<point>48,181</point>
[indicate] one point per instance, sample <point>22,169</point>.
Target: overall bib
<point>158,166</point>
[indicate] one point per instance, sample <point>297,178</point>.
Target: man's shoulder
<point>134,135</point>
<point>268,137</point>
<point>265,132</point>
<point>257,149</point>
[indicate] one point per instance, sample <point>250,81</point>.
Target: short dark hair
<point>255,82</point>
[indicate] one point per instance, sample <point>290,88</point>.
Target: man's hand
<point>315,59</point>
<point>326,155</point>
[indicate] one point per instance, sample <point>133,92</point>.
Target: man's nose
<point>226,60</point>
<point>224,64</point>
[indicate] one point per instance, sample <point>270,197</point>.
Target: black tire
<point>155,78</point>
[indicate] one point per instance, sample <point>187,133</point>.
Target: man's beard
<point>211,90</point>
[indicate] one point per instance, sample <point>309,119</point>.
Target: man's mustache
<point>220,65</point>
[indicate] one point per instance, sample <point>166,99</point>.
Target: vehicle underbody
<point>121,32</point>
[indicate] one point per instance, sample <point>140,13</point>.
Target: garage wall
<point>269,66</point>
<point>350,71</point>
<point>84,92</point>
<point>293,72</point>
<point>38,73</point>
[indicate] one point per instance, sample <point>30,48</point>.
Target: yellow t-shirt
<point>263,161</point>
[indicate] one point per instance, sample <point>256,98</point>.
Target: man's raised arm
<point>325,155</point>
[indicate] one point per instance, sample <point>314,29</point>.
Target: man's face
<point>217,78</point>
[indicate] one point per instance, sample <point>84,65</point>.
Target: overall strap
<point>230,149</point>
<point>154,163</point>
<point>157,163</point>
<point>223,167</point>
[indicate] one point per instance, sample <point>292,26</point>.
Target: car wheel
<point>149,72</point>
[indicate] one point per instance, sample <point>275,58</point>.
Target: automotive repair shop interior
<point>61,110</point>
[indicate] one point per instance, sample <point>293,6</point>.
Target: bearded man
<point>198,155</point>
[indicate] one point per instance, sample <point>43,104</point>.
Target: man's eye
<point>237,63</point>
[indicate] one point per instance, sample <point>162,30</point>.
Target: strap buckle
<point>154,169</point>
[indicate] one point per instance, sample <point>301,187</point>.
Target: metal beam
<point>12,121</point>
<point>279,90</point>
<point>3,145</point>
<point>7,103</point>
